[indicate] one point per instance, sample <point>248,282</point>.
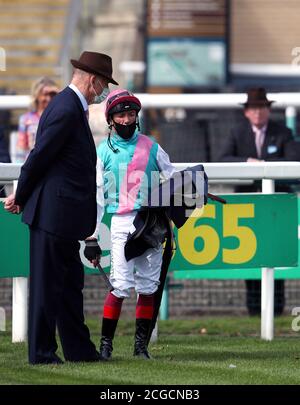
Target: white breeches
<point>141,273</point>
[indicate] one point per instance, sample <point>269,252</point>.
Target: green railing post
<point>164,306</point>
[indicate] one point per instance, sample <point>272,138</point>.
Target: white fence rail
<point>222,100</point>
<point>288,101</point>
<point>215,171</point>
<point>265,171</point>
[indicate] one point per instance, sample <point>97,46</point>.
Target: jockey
<point>130,164</point>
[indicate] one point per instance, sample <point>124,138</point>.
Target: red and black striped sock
<point>112,306</point>
<point>111,313</point>
<point>145,307</point>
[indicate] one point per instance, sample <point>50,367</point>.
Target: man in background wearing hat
<point>57,194</point>
<point>260,139</point>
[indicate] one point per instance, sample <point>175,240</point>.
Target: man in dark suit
<point>260,139</point>
<point>57,194</point>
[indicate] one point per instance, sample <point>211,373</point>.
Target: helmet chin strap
<point>110,126</point>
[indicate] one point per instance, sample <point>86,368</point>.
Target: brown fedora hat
<point>257,97</point>
<point>96,63</point>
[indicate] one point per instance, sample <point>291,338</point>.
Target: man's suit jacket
<point>57,185</point>
<point>278,144</point>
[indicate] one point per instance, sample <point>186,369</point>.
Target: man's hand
<point>92,251</point>
<point>10,206</point>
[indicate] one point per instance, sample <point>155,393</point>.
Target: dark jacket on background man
<point>278,145</point>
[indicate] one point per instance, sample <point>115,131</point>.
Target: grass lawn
<point>209,350</point>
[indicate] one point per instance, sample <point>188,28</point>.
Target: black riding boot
<point>141,335</point>
<point>108,333</point>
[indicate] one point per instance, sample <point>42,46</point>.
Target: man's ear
<point>93,79</point>
<point>90,83</point>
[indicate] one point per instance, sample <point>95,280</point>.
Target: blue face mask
<point>101,97</point>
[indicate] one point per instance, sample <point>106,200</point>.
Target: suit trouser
<point>56,299</point>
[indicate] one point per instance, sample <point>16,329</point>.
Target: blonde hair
<point>37,87</point>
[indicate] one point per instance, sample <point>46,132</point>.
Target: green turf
<point>187,352</point>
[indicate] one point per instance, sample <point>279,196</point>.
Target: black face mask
<point>125,131</point>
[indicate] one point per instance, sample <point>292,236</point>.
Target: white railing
<point>265,171</point>
<point>288,101</point>
<point>218,101</point>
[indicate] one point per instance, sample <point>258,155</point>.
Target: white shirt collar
<point>80,95</point>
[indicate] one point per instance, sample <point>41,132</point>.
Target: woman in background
<point>43,90</point>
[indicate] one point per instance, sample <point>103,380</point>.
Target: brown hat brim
<point>258,103</point>
<point>86,68</point>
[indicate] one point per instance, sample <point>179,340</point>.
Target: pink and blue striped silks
<point>130,173</point>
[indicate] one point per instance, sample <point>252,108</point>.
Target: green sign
<point>250,231</point>
<point>288,273</point>
<point>244,273</point>
<point>14,245</point>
